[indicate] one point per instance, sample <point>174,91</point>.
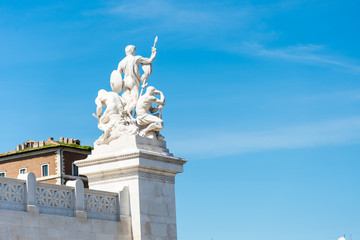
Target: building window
<point>75,170</point>
<point>2,174</point>
<point>45,170</point>
<point>22,170</point>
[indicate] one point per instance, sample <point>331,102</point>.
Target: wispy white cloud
<point>225,26</point>
<point>327,133</point>
<point>180,16</point>
<point>350,95</point>
<point>227,14</point>
<point>304,53</point>
<point>159,8</point>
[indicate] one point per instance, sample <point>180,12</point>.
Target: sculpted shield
<point>116,81</point>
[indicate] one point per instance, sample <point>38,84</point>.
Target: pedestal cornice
<point>103,158</point>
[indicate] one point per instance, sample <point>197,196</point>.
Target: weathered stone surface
<point>147,168</point>
<point>48,211</point>
<point>27,226</point>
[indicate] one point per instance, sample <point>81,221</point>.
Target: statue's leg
<point>126,97</point>
<point>159,124</point>
<point>156,125</point>
<point>133,98</point>
<point>149,129</point>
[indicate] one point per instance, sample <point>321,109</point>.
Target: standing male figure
<point>131,83</point>
<point>150,124</point>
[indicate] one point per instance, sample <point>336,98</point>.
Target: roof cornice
<point>35,151</point>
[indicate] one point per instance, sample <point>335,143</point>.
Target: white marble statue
<point>149,124</point>
<point>115,120</point>
<point>130,84</point>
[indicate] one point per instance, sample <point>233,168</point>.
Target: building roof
<point>31,146</point>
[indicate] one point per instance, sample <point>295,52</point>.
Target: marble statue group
<point>119,117</point>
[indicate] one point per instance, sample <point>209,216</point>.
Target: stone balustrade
<point>25,194</point>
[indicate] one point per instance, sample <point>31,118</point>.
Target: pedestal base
<point>148,169</point>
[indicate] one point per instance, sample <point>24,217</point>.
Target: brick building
<point>51,161</point>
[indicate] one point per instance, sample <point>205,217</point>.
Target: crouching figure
<point>150,124</point>
<point>114,121</point>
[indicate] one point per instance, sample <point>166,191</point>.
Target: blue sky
<point>262,98</point>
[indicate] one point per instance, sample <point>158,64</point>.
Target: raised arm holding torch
<point>147,70</point>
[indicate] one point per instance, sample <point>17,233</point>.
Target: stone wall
<point>32,210</point>
<point>20,225</point>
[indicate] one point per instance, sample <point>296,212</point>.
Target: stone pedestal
<point>148,169</point>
